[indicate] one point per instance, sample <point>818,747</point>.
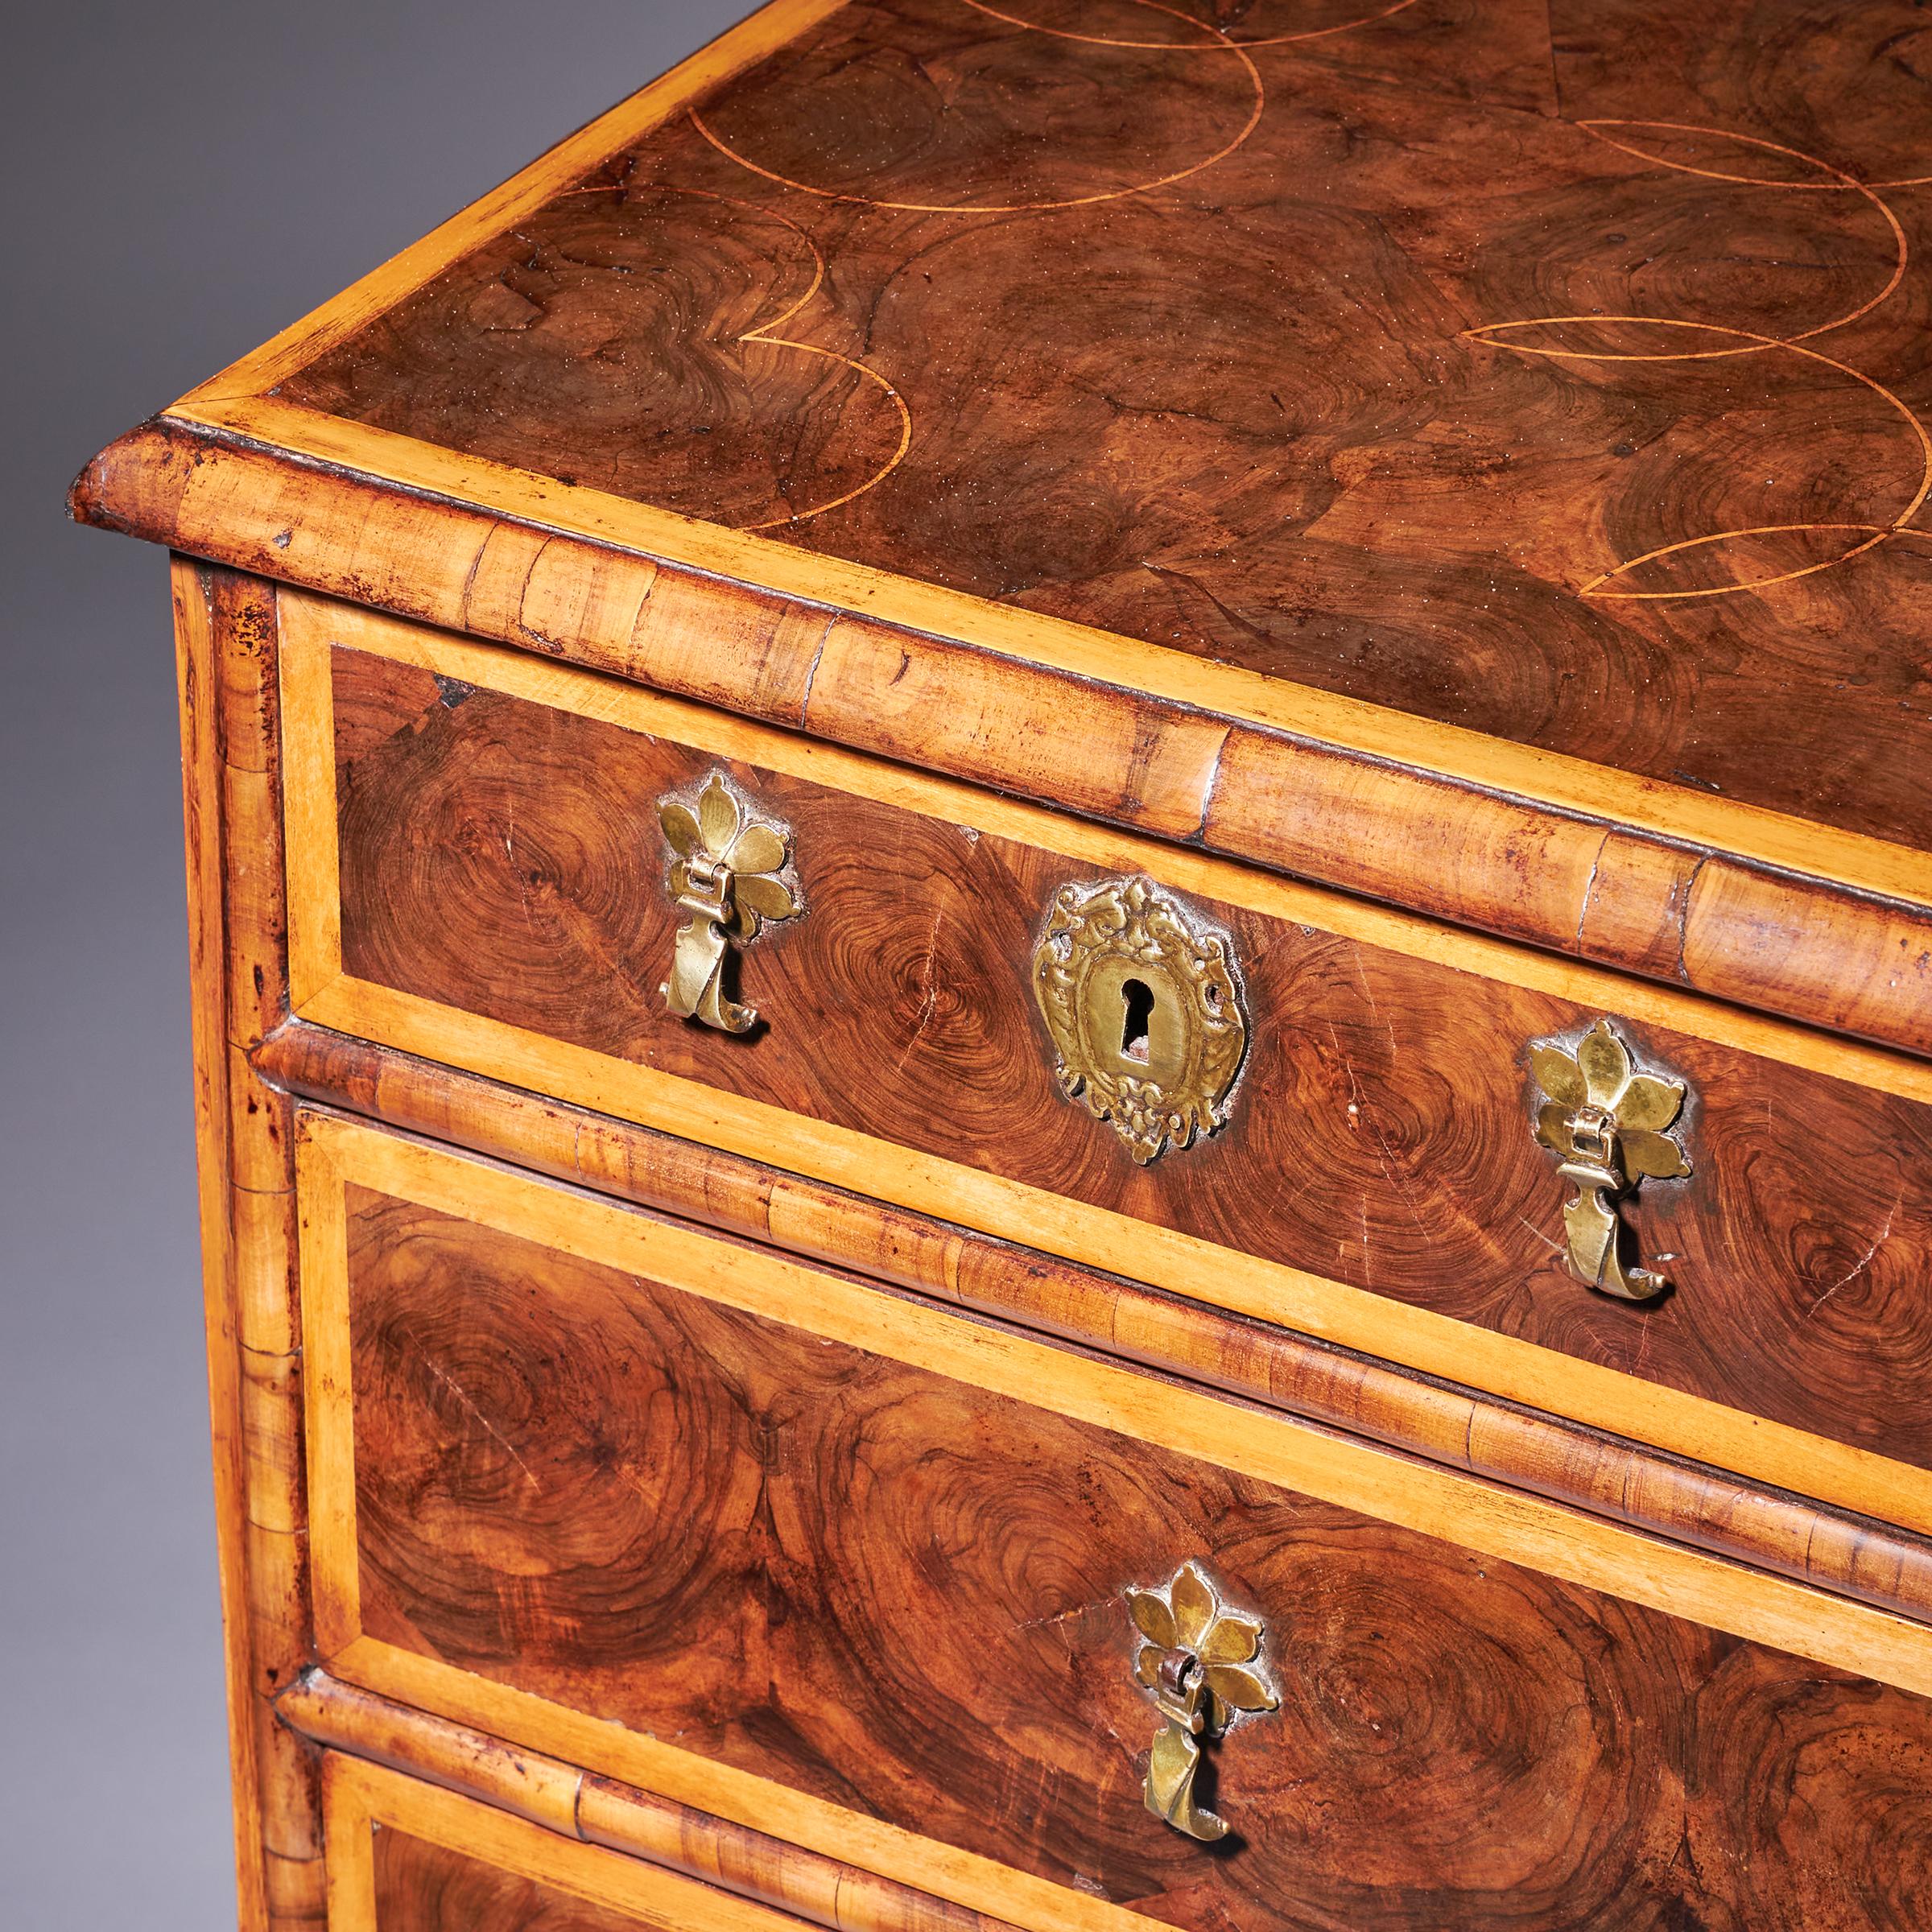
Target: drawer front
<point>860,1572</point>
<point>406,1856</point>
<point>479,873</point>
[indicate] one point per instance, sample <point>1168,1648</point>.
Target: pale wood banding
<point>606,1812</point>
<point>360,1795</point>
<point>335,1152</point>
<point>327,1711</point>
<point>338,1155</point>
<point>1704,1430</point>
<point>225,633</point>
<point>1558,868</point>
<point>1833,1550</point>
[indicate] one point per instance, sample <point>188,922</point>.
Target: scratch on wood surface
<point>1683,916</point>
<point>489,1428</point>
<point>1864,1261</point>
<point>1583,915</point>
<point>929,992</point>
<point>1555,1247</point>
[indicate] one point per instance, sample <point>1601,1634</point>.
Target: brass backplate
<point>1609,1123</point>
<point>1145,1011</point>
<point>1200,1662</point>
<point>730,877</point>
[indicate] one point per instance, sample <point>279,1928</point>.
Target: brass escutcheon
<point>1606,1121</point>
<point>1200,1665</point>
<point>1145,1012</point>
<point>729,875</point>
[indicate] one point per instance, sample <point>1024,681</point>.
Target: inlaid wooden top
<point>1535,395</point>
<point>1555,371</point>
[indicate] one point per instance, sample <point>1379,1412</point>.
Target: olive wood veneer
<point>1470,454</point>
<point>478,876</point>
<point>409,1856</point>
<point>248,1052</point>
<point>224,634</point>
<point>688,1514</point>
<point>1832,930</point>
<point>1441,485</point>
<point>1523,1447</point>
<point>596,1810</point>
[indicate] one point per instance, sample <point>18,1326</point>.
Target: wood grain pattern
<point>1524,1448</point>
<point>339,1717</point>
<point>901,1592</point>
<point>1471,453</point>
<point>224,631</point>
<point>353,520</point>
<point>1419,479</point>
<point>461,1865</point>
<point>498,857</point>
<point>1706,1432</point>
<point>335,1154</point>
<point>312,628</point>
<point>425,1888</point>
<point>604,1811</point>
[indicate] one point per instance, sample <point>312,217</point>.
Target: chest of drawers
<point>1062,887</point>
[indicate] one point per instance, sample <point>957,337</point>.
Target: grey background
<point>183,180</point>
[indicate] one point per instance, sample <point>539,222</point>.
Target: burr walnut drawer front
<point>1034,1631</point>
<point>1307,1108</point>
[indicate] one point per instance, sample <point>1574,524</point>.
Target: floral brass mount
<point>1607,1122</point>
<point>728,876</point>
<point>1199,1666</point>
<point>1144,1010</point>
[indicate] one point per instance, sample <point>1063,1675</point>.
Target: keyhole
<point>1137,999</point>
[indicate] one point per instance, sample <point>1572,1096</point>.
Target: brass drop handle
<point>1200,1665</point>
<point>729,876</point>
<point>1607,1122</point>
